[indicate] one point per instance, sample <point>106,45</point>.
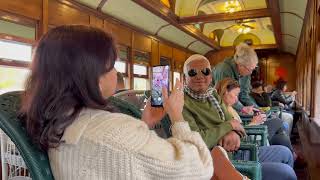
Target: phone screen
<point>160,78</point>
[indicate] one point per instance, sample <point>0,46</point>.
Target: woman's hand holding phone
<point>258,119</point>
<point>173,104</point>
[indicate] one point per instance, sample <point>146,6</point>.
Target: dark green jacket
<point>204,118</point>
<point>228,68</point>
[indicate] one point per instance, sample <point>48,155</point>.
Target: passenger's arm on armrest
<point>184,156</point>
<point>185,150</point>
<point>211,136</point>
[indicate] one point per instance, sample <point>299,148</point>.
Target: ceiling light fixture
<point>243,30</point>
<point>232,6</point>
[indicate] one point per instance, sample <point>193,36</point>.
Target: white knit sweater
<point>101,145</point>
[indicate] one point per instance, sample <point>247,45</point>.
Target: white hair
<point>245,55</point>
<point>195,57</point>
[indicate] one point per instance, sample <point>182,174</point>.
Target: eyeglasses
<point>248,69</point>
<point>194,72</point>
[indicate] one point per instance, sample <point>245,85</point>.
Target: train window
<point>18,30</point>
<point>15,51</point>
<point>175,76</point>
<point>121,66</point>
<point>12,78</point>
<point>139,69</point>
<point>140,83</point>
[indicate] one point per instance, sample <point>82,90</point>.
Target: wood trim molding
<point>256,47</point>
<point>303,29</point>
<point>172,5</point>
<point>83,8</point>
<point>17,39</point>
<point>256,13</point>
<point>44,22</point>
<point>101,4</point>
<point>166,14</point>
<point>15,18</point>
<point>14,63</point>
<point>273,5</point>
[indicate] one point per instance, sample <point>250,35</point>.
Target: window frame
<point>15,39</point>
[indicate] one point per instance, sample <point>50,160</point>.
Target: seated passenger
<point>239,67</point>
<point>66,114</point>
<point>261,98</point>
<point>228,89</point>
<point>279,94</point>
<point>207,114</point>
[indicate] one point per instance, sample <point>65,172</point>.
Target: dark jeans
<point>277,133</point>
<point>276,162</point>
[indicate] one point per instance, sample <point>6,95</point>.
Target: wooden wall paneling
<point>155,56</point>
<point>31,9</point>
<point>121,34</point>
<point>216,57</point>
<point>178,55</point>
<point>43,24</point>
<point>178,58</point>
<point>130,73</point>
<point>141,42</point>
<point>165,50</point>
<point>18,39</point>
<point>95,21</point>
<point>60,14</point>
<point>284,61</point>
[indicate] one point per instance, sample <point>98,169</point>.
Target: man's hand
<point>230,142</point>
<point>247,110</point>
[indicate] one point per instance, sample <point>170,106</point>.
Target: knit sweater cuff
<point>179,128</point>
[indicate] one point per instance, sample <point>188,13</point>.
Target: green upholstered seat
<point>36,161</point>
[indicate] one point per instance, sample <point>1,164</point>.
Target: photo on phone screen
<point>160,78</point>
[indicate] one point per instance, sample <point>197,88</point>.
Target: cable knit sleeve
<point>102,145</point>
<point>184,156</point>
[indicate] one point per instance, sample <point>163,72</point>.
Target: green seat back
<point>250,169</point>
<point>125,107</point>
<point>36,161</point>
<point>254,132</point>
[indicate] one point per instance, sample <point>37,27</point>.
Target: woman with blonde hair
<point>276,160</point>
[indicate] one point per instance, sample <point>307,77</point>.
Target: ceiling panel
<point>91,3</point>
<point>186,8</point>
<point>290,43</point>
<point>260,27</point>
<point>199,47</point>
<point>133,14</point>
<point>174,34</point>
<point>295,6</point>
<point>291,24</point>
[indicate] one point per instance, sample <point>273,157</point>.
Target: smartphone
<point>256,112</point>
<point>160,78</point>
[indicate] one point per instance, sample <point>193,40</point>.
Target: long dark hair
<point>65,72</point>
<point>280,84</point>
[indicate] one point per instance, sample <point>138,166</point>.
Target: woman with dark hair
<point>259,95</point>
<point>280,96</point>
<point>66,114</point>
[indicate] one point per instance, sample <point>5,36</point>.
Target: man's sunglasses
<point>194,72</point>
